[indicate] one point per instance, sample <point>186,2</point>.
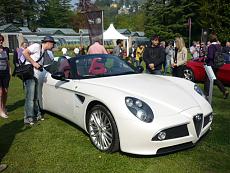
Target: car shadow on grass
<point>66,121</point>
<point>8,132</point>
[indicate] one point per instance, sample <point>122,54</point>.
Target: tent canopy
<point>112,34</point>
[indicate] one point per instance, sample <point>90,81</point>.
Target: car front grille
<point>198,121</point>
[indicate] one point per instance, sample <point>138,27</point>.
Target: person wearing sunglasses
<point>5,73</point>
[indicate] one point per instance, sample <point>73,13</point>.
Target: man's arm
<point>26,53</point>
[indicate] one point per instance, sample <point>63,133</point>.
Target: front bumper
<point>182,131</point>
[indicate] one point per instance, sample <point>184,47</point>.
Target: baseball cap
<point>48,39</point>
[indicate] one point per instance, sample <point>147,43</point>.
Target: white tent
<point>112,34</point>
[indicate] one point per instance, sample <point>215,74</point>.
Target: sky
<point>74,2</point>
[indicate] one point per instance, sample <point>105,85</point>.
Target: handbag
<point>25,71</point>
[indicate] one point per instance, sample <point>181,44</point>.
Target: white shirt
<point>35,54</point>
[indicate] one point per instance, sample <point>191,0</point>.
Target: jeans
<point>31,108</point>
<point>157,72</point>
<point>167,65</point>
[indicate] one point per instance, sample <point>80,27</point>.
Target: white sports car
<point>122,108</point>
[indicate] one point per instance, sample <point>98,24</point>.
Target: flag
<point>95,25</point>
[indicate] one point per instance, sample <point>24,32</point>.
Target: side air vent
<point>80,97</point>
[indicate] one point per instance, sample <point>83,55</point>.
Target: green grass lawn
<point>57,146</point>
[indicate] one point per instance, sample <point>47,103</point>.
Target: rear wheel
<point>102,129</point>
<point>188,74</point>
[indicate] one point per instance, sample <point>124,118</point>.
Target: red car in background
<point>195,72</point>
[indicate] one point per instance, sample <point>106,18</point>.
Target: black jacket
<point>155,55</point>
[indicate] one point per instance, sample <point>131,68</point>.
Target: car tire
<point>102,129</point>
<point>188,74</point>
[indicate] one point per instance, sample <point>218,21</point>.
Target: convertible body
<point>122,109</point>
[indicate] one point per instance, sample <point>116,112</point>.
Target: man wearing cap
<point>154,56</point>
<point>34,55</point>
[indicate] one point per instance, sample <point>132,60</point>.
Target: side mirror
<point>140,69</point>
<point>59,76</point>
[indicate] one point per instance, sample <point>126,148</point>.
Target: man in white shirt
<point>34,55</point>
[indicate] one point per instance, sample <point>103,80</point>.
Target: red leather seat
<point>97,67</point>
<point>64,66</point>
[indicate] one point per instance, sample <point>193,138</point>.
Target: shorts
<point>4,80</point>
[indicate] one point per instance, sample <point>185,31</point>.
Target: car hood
<point>154,88</point>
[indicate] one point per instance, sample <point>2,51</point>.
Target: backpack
<point>218,58</point>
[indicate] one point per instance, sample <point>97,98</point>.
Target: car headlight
<point>140,109</point>
<point>198,90</point>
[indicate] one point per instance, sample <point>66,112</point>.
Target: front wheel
<point>188,74</point>
<point>102,129</point>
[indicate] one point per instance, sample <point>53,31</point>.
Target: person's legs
<point>137,63</point>
<point>180,71</point>
<point>206,85</point>
<point>220,84</point>
<point>37,112</point>
<point>4,99</point>
<point>221,88</point>
<point>6,82</point>
<point>174,72</point>
<point>166,66</point>
<point>29,101</point>
<point>2,113</point>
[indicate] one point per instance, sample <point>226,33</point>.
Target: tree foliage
<point>10,11</point>
<point>132,21</point>
<point>169,18</point>
<point>55,13</point>
<point>34,13</point>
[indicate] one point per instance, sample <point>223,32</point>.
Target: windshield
<point>91,66</point>
<point>99,65</point>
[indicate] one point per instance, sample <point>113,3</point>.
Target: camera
<point>40,68</point>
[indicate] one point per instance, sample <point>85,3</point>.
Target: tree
<point>168,18</point>
<point>78,21</point>
<point>55,13</point>
<point>133,21</point>
<point>10,11</point>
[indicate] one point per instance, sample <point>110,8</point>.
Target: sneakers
<point>29,121</point>
<point>40,118</point>
<point>3,115</point>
